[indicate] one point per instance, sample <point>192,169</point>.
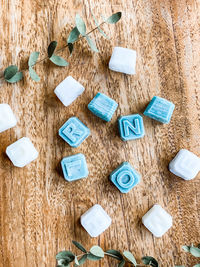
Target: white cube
<point>185,165</point>
<point>68,90</point>
<point>157,221</point>
<point>22,152</point>
<point>123,60</point>
<point>95,220</point>
<point>7,118</point>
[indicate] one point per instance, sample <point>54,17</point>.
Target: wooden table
<point>39,210</point>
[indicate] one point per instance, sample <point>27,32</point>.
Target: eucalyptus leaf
<point>197,265</point>
<point>195,251</point>
<point>91,44</point>
<point>59,61</point>
<point>114,18</point>
<point>186,248</point>
<point>97,251</point>
<point>70,47</point>
<point>76,261</point>
<point>98,27</point>
<point>148,260</point>
<point>79,246</point>
<point>73,36</point>
<point>17,77</point>
<point>33,58</point>
<point>33,75</point>
<point>80,24</point>
<point>66,255</point>
<point>51,48</point>
<point>122,263</point>
<point>93,257</point>
<point>130,257</point>
<point>82,259</point>
<point>10,71</point>
<point>115,254</point>
<point>179,266</point>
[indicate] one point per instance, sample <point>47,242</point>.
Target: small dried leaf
<point>51,48</point>
<point>114,18</point>
<point>91,44</point>
<point>33,75</point>
<point>59,61</point>
<point>80,24</point>
<point>73,36</point>
<point>33,58</point>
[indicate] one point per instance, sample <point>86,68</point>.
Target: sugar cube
<point>125,177</point>
<point>22,152</point>
<point>160,109</point>
<point>102,106</point>
<point>131,127</point>
<point>185,165</point>
<point>157,221</point>
<point>68,90</point>
<point>74,132</point>
<point>95,220</point>
<point>7,118</point>
<point>123,60</point>
<point>74,167</point>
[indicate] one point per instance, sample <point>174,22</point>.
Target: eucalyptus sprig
<point>12,74</point>
<point>66,258</point>
<point>194,251</point>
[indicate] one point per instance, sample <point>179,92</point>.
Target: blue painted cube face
<point>131,127</point>
<point>125,177</point>
<point>103,106</point>
<point>74,167</point>
<point>74,132</point>
<point>160,109</point>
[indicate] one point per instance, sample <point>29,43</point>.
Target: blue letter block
<point>131,127</point>
<point>160,109</point>
<point>74,132</point>
<point>125,177</point>
<point>103,106</point>
<point>74,167</point>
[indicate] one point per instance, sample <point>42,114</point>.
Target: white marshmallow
<point>123,60</point>
<point>95,220</point>
<point>157,221</point>
<point>68,90</point>
<point>7,118</point>
<point>185,165</point>
<point>22,152</point>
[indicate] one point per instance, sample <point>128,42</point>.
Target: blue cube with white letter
<point>103,106</point>
<point>131,127</point>
<point>160,109</point>
<point>74,167</point>
<point>125,177</point>
<point>74,132</point>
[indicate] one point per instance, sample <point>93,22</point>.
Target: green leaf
<point>198,245</point>
<point>80,24</point>
<point>114,18</point>
<point>148,260</point>
<point>51,48</point>
<point>130,257</point>
<point>197,265</point>
<point>73,36</point>
<point>97,251</point>
<point>115,254</point>
<point>91,44</point>
<point>76,261</point>
<point>63,263</point>
<point>10,72</point>
<point>17,77</point>
<point>195,252</point>
<point>98,27</point>
<point>33,75</point>
<point>186,248</point>
<point>82,259</point>
<point>70,47</point>
<point>33,58</point>
<point>79,246</point>
<point>179,266</point>
<point>66,255</point>
<point>93,257</point>
<point>59,61</point>
<point>122,263</point>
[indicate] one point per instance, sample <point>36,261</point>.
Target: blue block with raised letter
<point>131,127</point>
<point>125,177</point>
<point>160,109</point>
<point>74,167</point>
<point>103,106</point>
<point>74,132</point>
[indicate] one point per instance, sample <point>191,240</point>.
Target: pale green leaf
<point>17,77</point>
<point>73,36</point>
<point>197,265</point>
<point>59,61</point>
<point>76,261</point>
<point>114,18</point>
<point>97,251</point>
<point>51,48</point>
<point>93,257</point>
<point>115,254</point>
<point>33,58</point>
<point>195,251</point>
<point>186,248</point>
<point>10,71</point>
<point>130,257</point>
<point>82,259</point>
<point>91,44</point>
<point>33,75</point>
<point>79,246</point>
<point>80,24</point>
<point>98,27</point>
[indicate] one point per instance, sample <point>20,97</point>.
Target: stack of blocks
<point>185,165</point>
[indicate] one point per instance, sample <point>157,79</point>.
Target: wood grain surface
<point>39,210</point>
